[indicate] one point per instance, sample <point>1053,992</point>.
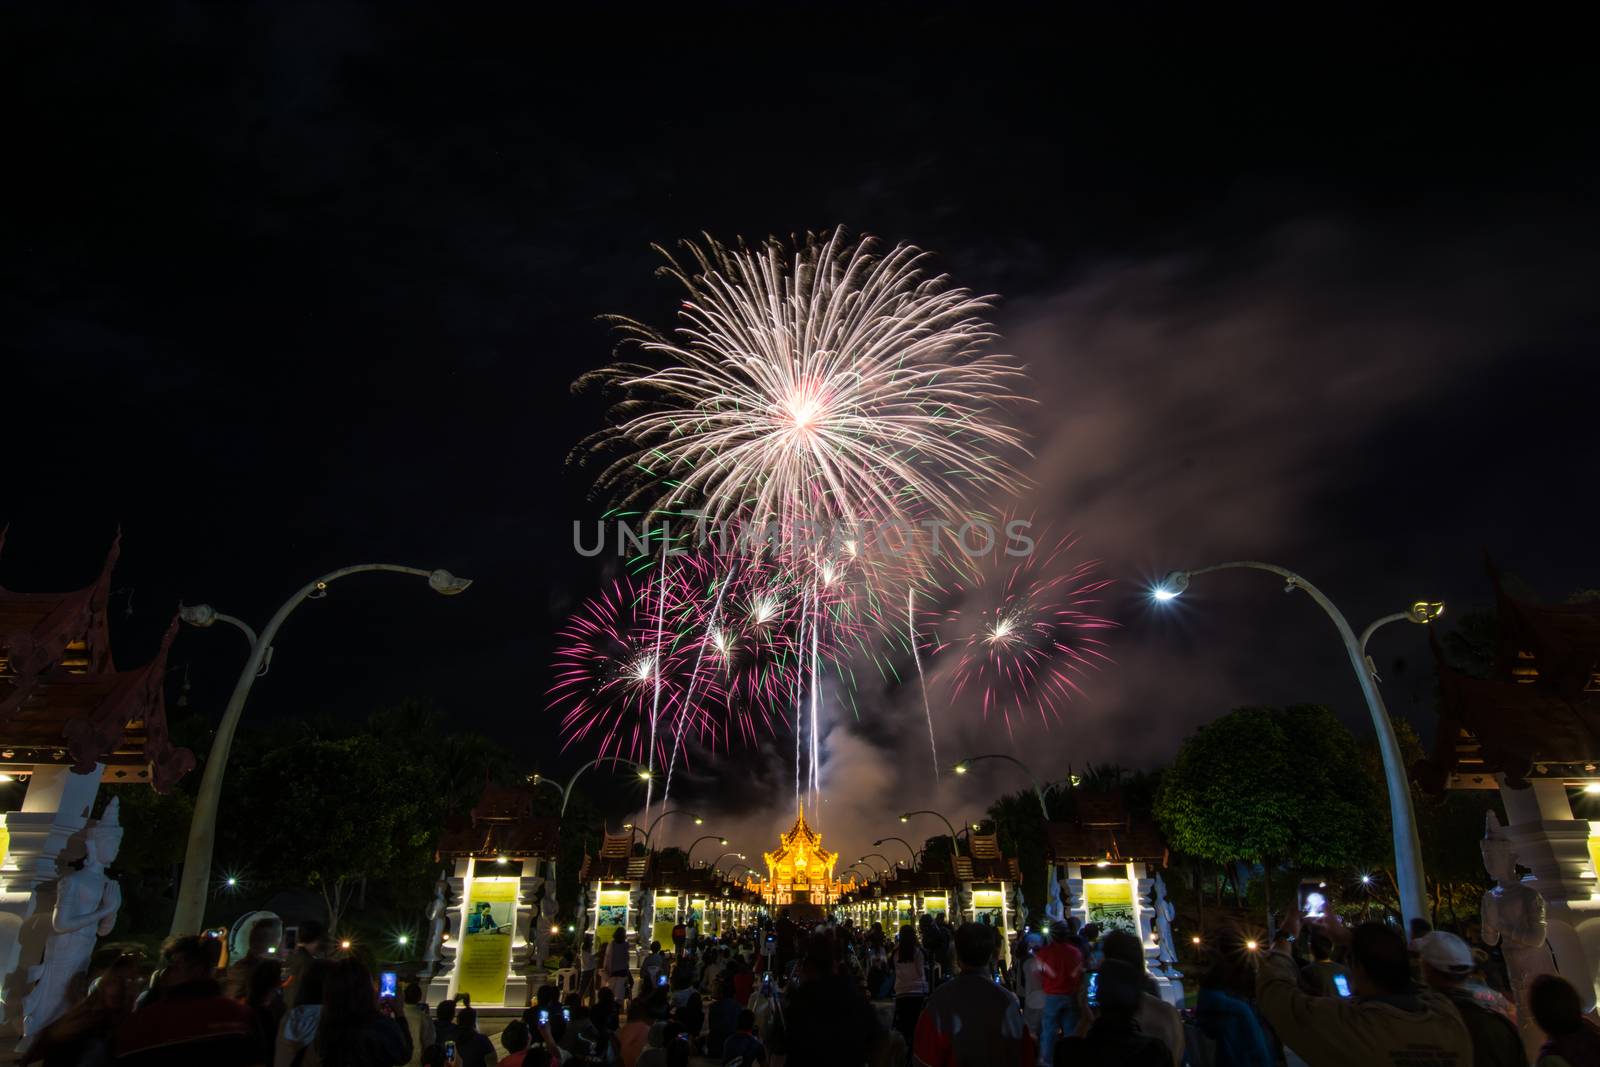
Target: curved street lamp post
<point>189,914</point>
<point>955,844</point>
<point>538,779</point>
<point>1407,847</point>
<point>698,821</point>
<point>903,843</point>
<point>965,765</point>
<point>689,854</point>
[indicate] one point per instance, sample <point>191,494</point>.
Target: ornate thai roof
<point>1537,714</point>
<point>63,701</point>
<point>800,838</point>
<point>502,823</point>
<point>1102,829</point>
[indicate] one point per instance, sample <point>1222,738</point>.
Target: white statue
<point>1165,912</point>
<point>1054,910</point>
<point>1513,917</point>
<point>438,917</point>
<point>544,915</point>
<point>86,909</point>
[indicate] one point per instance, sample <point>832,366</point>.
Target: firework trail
<point>688,699</point>
<point>1023,631</point>
<point>922,679</point>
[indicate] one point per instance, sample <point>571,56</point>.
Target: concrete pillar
<point>1554,845</point>
<point>1549,841</point>
<point>44,838</point>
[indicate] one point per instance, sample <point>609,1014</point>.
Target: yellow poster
<point>610,916</point>
<point>666,919</point>
<point>485,957</point>
<point>935,906</point>
<point>989,906</point>
<point>1109,903</point>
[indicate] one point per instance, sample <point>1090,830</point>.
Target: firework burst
<point>1022,631</point>
<point>825,383</point>
<point>618,671</point>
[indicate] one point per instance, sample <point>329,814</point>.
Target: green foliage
<point>345,810</point>
<point>1270,785</point>
<point>154,836</point>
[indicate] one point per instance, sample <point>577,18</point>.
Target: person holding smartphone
<point>1386,1020</point>
<point>1323,976</point>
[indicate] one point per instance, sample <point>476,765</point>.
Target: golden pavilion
<point>800,871</point>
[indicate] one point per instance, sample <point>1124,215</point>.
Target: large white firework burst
<point>819,383</point>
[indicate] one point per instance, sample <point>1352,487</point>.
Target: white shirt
<point>1032,984</point>
<point>910,978</point>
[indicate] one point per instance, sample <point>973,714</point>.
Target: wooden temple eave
<point>63,702</point>
<point>1538,714</point>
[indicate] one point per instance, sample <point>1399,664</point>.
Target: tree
<point>344,810</point>
<point>1269,786</point>
<point>1019,824</point>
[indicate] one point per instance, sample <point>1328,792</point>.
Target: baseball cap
<point>1446,952</point>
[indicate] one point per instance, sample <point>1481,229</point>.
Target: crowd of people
<point>1324,993</point>
<point>838,995</point>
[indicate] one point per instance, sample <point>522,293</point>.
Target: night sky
<point>288,287</point>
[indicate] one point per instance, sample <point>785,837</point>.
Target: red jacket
<point>1060,969</point>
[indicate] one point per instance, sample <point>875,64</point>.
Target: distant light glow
<point>1162,593</point>
<point>1251,945</point>
<point>1592,788</point>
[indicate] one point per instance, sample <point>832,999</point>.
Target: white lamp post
<point>963,766</point>
<point>196,878</point>
<point>1407,846</point>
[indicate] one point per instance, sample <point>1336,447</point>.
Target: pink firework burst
<point>618,668</point>
<point>739,613</point>
<point>1023,630</point>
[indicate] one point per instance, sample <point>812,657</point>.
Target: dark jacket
<point>1495,1041</point>
<point>380,1042</point>
<point>1113,1044</point>
<point>190,1025</point>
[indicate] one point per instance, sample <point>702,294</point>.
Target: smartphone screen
<point>1342,984</point>
<point>1094,988</point>
<point>544,1017</point>
<point>449,1050</point>
<point>661,979</point>
<point>566,1014</point>
<point>1313,899</point>
<point>388,984</point>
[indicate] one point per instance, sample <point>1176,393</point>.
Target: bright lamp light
<point>1170,587</point>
